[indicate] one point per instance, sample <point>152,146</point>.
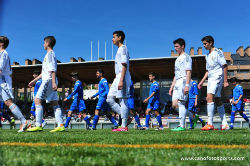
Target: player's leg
<point>68,119</point>
<point>95,120</point>
<point>38,115</point>
<point>210,112</point>
<point>190,113</point>
<point>240,107</point>
<point>112,119</point>
<point>137,119</point>
<point>58,116</point>
<point>112,95</point>
<point>158,117</point>
<point>221,111</point>
<point>124,111</point>
<point>149,108</point>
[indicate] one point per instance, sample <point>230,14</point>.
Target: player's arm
<point>124,69</point>
<point>203,80</point>
<point>96,94</point>
<point>188,78</point>
<point>226,84</point>
<point>196,94</point>
<point>172,87</point>
<point>106,87</point>
<point>73,93</point>
<point>146,100</point>
<point>2,62</point>
<point>32,83</point>
<point>241,95</point>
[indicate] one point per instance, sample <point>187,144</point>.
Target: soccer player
<point>120,86</point>
<point>131,106</point>
<point>237,102</point>
<point>192,106</point>
<point>48,89</point>
<point>36,87</point>
<point>102,105</point>
<point>153,101</point>
<point>78,102</point>
<point>4,114</point>
<point>181,81</point>
<point>216,72</point>
<point>6,83</point>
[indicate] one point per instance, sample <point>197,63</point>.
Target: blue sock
<point>6,116</point>
<point>67,122</point>
<point>137,119</point>
<point>95,121</point>
<point>191,122</point>
<point>147,120</point>
<point>87,121</point>
<point>33,113</point>
<point>43,120</point>
<point>232,117</point>
<point>244,116</point>
<point>112,119</point>
<point>159,121</point>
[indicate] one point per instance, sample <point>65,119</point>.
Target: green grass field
<point>64,154</point>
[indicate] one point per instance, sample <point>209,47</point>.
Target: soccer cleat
<point>160,128</point>
<point>12,124</point>
<point>58,129</point>
<point>23,127</point>
<point>120,129</point>
<point>225,127</point>
<point>203,123</point>
<point>179,128</point>
<point>231,127</point>
<point>207,127</point>
<point>34,129</point>
<point>44,124</point>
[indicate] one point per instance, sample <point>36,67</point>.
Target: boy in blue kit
<point>102,105</point>
<point>4,114</point>
<point>237,102</point>
<point>131,106</point>
<point>192,106</point>
<point>153,101</point>
<point>78,102</point>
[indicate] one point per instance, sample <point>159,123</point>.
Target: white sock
<point>222,114</point>
<point>210,113</point>
<point>114,105</point>
<point>39,115</point>
<point>124,111</point>
<point>58,115</point>
<point>182,113</point>
<point>16,111</point>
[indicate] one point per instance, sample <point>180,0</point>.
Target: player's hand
<point>65,99</point>
<point>226,84</point>
<point>145,101</point>
<point>54,86</point>
<point>195,104</point>
<point>31,84</point>
<point>170,91</point>
<point>200,85</point>
<point>236,102</point>
<point>120,85</point>
<point>186,90</point>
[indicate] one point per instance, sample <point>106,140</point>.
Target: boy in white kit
<point>181,81</point>
<point>48,88</point>
<point>121,84</point>
<point>216,73</point>
<point>6,83</point>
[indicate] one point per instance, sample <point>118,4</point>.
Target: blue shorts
<point>2,105</point>
<point>102,104</point>
<point>238,107</point>
<point>191,106</point>
<point>153,105</point>
<point>33,106</point>
<point>78,105</point>
<point>131,103</point>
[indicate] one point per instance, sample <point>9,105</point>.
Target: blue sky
<point>150,26</point>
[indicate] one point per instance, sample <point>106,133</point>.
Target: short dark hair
<point>208,39</point>
<point>51,40</point>
<point>153,74</point>
<point>37,72</point>
<point>234,79</point>
<point>120,33</point>
<point>5,41</point>
<point>180,41</point>
<point>74,74</point>
<point>100,71</point>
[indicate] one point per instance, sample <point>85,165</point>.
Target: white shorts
<point>45,91</point>
<point>214,85</point>
<point>174,95</point>
<point>178,92</point>
<point>124,92</point>
<point>6,88</point>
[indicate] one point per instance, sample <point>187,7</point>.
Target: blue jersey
<point>38,84</point>
<point>237,91</point>
<point>131,90</point>
<point>103,88</point>
<point>154,88</point>
<point>78,91</point>
<point>193,90</point>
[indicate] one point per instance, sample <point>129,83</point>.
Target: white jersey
<point>49,65</point>
<point>215,62</point>
<point>182,64</point>
<point>122,56</point>
<point>5,65</point>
